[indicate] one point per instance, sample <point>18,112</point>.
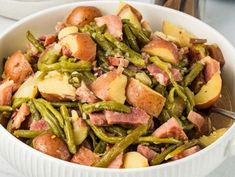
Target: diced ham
<point>197,120</point>
<point>85,156</point>
<point>137,116</point>
<point>117,61</point>
<point>39,125</point>
<point>171,128</point>
<point>98,119</point>
<point>6,89</point>
<point>212,67</point>
<point>66,52</point>
<point>49,39</point>
<point>85,94</point>
<point>113,23</point>
<point>59,26</point>
<point>117,162</point>
<point>187,152</point>
<point>161,76</point>
<point>20,116</point>
<point>146,152</point>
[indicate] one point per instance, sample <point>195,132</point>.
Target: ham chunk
<point>118,61</point>
<point>113,23</point>
<point>6,89</point>
<point>170,129</point>
<point>20,116</point>
<point>187,152</point>
<point>39,125</point>
<point>48,39</point>
<point>85,94</point>
<point>117,162</point>
<point>17,68</point>
<point>146,152</point>
<point>137,116</point>
<point>197,120</point>
<point>212,67</point>
<point>98,119</point>
<point>161,76</point>
<point>85,156</point>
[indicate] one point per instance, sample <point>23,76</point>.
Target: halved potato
<point>123,5</point>
<point>142,96</point>
<point>81,46</point>
<point>209,93</point>
<point>128,12</point>
<point>177,32</point>
<point>55,87</point>
<point>66,31</point>
<point>166,50</point>
<point>135,160</point>
<point>110,87</point>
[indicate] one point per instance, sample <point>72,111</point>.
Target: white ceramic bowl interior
<point>35,164</point>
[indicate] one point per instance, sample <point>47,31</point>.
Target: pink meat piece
<point>187,152</point>
<point>6,89</point>
<point>85,156</point>
<point>146,152</point>
<point>161,76</point>
<point>169,129</point>
<point>98,119</point>
<point>66,52</point>
<point>59,26</point>
<point>117,162</point>
<point>212,67</point>
<point>137,116</point>
<point>85,94</point>
<point>49,39</point>
<point>20,116</point>
<point>39,125</point>
<point>117,61</point>
<point>113,23</point>
<point>197,120</point>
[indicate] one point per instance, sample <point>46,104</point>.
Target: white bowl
<point>35,164</point>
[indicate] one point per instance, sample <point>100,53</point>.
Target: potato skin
<point>17,68</point>
<point>80,16</point>
<point>51,145</point>
<point>53,97</point>
<point>141,96</point>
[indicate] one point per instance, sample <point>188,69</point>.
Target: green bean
<point>100,147</point>
<point>78,66</point>
<point>89,75</point>
<point>63,58</point>
<point>181,148</point>
<point>53,111</point>
<point>116,130</point>
<point>146,32</point>
<point>164,116</point>
<point>67,104</point>
<point>121,146</point>
<point>51,67</point>
<point>131,38</point>
<point>105,105</point>
<point>159,158</point>
<point>155,140</point>
<point>50,56</point>
<point>17,102</point>
<point>93,138</point>
<point>196,69</point>
<point>164,67</point>
<point>68,130</point>
<point>42,76</point>
<point>33,110</point>
<point>102,42</point>
<point>190,96</point>
<point>27,133</point>
<point>134,57</point>
<point>171,96</point>
<point>49,118</point>
<point>101,135</point>
<point>6,108</point>
<point>34,42</point>
<point>161,89</point>
<point>129,72</point>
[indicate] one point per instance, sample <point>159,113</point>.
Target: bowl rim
<point>73,165</point>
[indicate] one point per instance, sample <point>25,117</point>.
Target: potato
<point>209,93</point>
<point>51,145</point>
<point>29,88</point>
<point>166,37</point>
<point>135,160</point>
<point>166,50</point>
<point>141,96</point>
<point>145,25</point>
<point>124,5</point>
<point>66,31</point>
<point>110,87</point>
<point>81,46</point>
<point>128,12</point>
<point>83,15</point>
<point>55,87</point>
<point>177,32</point>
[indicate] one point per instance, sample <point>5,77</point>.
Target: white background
<point>221,15</point>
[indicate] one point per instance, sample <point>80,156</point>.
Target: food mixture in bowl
<point>107,91</point>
